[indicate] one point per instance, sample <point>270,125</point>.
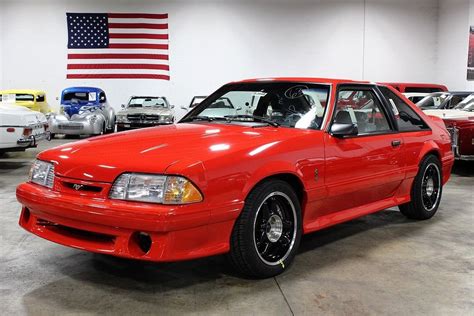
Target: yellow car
<point>32,99</point>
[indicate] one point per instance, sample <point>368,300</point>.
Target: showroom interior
<point>380,263</point>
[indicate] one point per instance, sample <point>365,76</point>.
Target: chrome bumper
<point>72,128</point>
<point>32,140</point>
<point>454,132</point>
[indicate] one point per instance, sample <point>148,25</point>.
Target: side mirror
<point>123,106</point>
<point>341,130</point>
<point>171,106</point>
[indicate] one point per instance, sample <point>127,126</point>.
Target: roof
<point>304,79</point>
<point>82,89</point>
<point>22,91</point>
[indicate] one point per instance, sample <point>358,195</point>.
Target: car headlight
<point>154,189</point>
<point>166,119</point>
<point>42,173</point>
<point>121,118</point>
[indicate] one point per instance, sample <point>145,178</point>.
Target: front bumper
<point>135,125</point>
<point>74,128</point>
<point>32,140</point>
<point>97,224</point>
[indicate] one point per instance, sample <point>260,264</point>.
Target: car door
<point>367,167</point>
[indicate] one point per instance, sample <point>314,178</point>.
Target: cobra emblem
<point>77,187</point>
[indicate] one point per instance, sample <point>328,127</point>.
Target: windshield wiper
<point>254,117</point>
<point>203,118</point>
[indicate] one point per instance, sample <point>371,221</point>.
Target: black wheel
<point>52,135</point>
<point>267,233</point>
<point>426,191</point>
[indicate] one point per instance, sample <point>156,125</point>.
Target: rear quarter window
<point>407,119</point>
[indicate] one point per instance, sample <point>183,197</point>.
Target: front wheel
<point>426,190</point>
<point>267,233</point>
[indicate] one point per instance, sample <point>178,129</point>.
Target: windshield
<point>289,104</point>
<point>466,102</point>
<point>80,96</point>
<point>433,101</point>
<point>196,100</point>
<point>138,102</point>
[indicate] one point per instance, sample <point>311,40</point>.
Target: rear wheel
<point>267,233</point>
<point>426,191</point>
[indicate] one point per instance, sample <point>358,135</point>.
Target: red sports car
<point>292,156</point>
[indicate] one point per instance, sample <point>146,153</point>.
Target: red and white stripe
<point>138,48</point>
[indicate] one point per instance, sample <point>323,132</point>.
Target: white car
<point>464,110</point>
<point>21,128</point>
<point>415,97</point>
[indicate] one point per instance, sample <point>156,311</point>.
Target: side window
<point>40,98</point>
<point>361,107</point>
<point>407,119</point>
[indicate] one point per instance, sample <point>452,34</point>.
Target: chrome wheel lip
<point>432,187</point>
<point>295,226</point>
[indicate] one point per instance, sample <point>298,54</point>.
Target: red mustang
<point>288,158</point>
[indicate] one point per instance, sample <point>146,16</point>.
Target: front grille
<point>70,127</point>
<point>82,187</point>
<point>143,117</point>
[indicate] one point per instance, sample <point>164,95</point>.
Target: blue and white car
<point>84,111</point>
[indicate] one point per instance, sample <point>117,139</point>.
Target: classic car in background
<point>405,87</point>
<point>442,100</point>
<point>415,97</point>
<point>195,101</point>
<point>144,111</point>
<point>460,124</point>
<point>21,128</point>
<point>462,137</point>
<point>32,99</point>
<point>84,111</point>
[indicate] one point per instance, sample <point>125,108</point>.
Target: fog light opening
<point>25,218</point>
<point>140,243</point>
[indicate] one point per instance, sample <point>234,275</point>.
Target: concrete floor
<point>379,264</point>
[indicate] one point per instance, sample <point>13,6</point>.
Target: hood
<point>153,150</point>
<point>146,110</point>
<point>73,108</point>
<point>14,115</point>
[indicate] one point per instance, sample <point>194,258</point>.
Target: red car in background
<point>405,87</point>
<point>293,156</point>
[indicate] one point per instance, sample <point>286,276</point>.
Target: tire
<point>111,130</point>
<point>267,233</point>
<point>52,136</point>
<point>426,190</point>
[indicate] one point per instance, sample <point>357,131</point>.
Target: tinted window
<point>361,107</point>
<point>406,118</point>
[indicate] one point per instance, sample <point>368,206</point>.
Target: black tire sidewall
<point>258,267</point>
<point>420,208</point>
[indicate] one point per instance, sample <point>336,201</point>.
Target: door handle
<point>396,143</point>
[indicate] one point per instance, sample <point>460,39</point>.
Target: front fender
<point>268,170</point>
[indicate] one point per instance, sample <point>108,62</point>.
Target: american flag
<point>117,46</point>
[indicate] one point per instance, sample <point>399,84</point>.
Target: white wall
<point>213,42</point>
<point>453,42</point>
